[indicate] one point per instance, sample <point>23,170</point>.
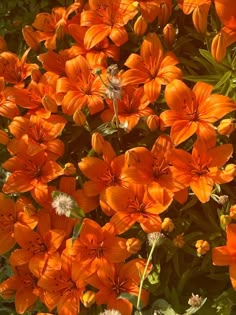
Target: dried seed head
<point>114,90</point>
<point>195,300</point>
<point>155,238</point>
<point>112,70</point>
<point>63,204</point>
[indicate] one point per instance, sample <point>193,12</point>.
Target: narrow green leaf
<point>76,230</point>
<point>223,79</point>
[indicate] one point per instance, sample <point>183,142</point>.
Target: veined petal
<point>134,76</point>
<point>24,298</point>
<point>135,61</point>
<point>202,187</point>
<point>219,155</point>
<point>220,256</point>
<point>202,91</point>
<point>17,182</point>
<point>232,274</point>
<point>182,130</point>
<point>206,132</point>
<point>20,257</point>
<point>231,236</point>
<point>169,117</point>
<point>118,35</point>
<point>168,74</point>
<point>122,222</point>
<point>152,90</point>
<point>95,34</point>
<point>151,51</point>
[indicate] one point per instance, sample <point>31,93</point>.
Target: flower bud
<point>230,169</point>
<point>200,14</point>
<point>36,75</point>
<point>88,298</point>
<point>226,126</point>
<point>169,34</point>
<point>3,44</point>
<point>195,300</point>
<point>69,169</point>
<point>218,47</point>
<point>98,142</point>
<point>179,241</point>
<point>133,245</point>
<point>202,247</point>
<point>164,14</point>
<point>131,158</point>
<point>140,26</point>
<point>225,220</point>
<point>3,137</point>
<point>232,212</point>
<point>167,225</point>
<point>79,118</point>
<point>49,103</point>
<point>153,122</point>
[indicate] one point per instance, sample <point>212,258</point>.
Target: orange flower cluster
<point>126,186</point>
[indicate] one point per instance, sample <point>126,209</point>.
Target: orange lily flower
<point>81,87</point>
<point>50,27</point>
<point>38,249</point>
<point>8,107</point>
<point>107,18</point>
<point>152,167</point>
<point>30,173</point>
<point>132,106</point>
<point>98,54</point>
<point>151,9</point>
<point>225,255</point>
<point>194,111</point>
<point>63,288</point>
<point>59,61</point>
<point>201,169</point>
<point>22,211</point>
<point>35,134</point>
<point>97,248</point>
<point>226,11</point>
<point>152,68</point>
<point>117,279</point>
<point>200,10</point>
<point>135,204</point>
<point>15,70</point>
<point>24,285</point>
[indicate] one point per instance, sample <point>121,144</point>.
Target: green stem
<point>144,275</point>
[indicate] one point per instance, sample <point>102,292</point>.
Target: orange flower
<point>98,54</point>
<point>202,169</point>
<point>97,248</point>
<point>81,87</point>
<point>36,134</point>
<point>132,106</point>
<point>30,173</point>
<point>22,211</point>
<point>8,107</point>
<point>50,27</point>
<point>134,204</point>
<point>15,70</point>
<point>152,167</point>
<point>200,10</point>
<point>194,111</point>
<point>226,11</point>
<point>225,255</point>
<point>150,9</point>
<point>24,285</point>
<point>107,18</point>
<point>120,278</point>
<point>152,68</point>
<point>39,249</point>
<point>221,41</point>
<point>63,288</point>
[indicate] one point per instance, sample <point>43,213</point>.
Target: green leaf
<point>207,55</point>
<point>223,79</point>
<point>163,307</point>
<point>131,298</point>
<point>76,230</point>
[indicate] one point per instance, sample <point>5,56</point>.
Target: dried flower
<point>179,240</point>
<point>202,247</point>
<point>63,204</point>
<point>114,90</point>
<point>110,312</point>
<point>195,300</point>
<point>112,70</point>
<point>223,199</point>
<point>156,238</point>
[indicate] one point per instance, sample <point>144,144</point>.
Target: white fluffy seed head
<point>63,204</point>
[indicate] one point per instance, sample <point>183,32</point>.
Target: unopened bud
<point>169,34</point>
<point>218,47</point>
<point>195,300</point>
<point>69,169</point>
<point>49,103</point>
<point>60,31</point>
<point>232,212</point>
<point>164,14</point>
<point>167,225</point>
<point>202,247</point>
<point>97,142</point>
<point>140,26</point>
<point>153,122</point>
<point>179,241</point>
<point>88,298</point>
<point>79,118</point>
<point>133,245</point>
<point>3,137</point>
<point>200,15</point>
<point>36,75</point>
<point>226,126</point>
<point>225,220</point>
<point>230,169</point>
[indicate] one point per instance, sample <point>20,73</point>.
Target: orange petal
<point>95,34</point>
<point>182,130</point>
<point>202,187</point>
<point>220,256</point>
